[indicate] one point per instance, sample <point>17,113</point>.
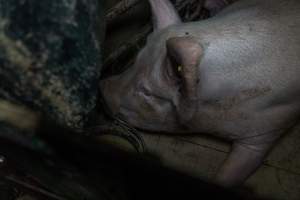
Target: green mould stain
<point>49,57</point>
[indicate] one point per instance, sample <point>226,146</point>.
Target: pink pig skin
<point>235,76</point>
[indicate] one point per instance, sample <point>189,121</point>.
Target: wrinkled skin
<point>235,75</point>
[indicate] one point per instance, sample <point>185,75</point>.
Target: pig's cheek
<point>144,107</point>
<point>154,110</point>
<point>130,108</point>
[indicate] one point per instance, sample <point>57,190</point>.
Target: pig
<point>234,75</point>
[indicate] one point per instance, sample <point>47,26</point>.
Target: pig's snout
<point>111,94</point>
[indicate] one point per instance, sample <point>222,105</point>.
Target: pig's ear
<point>163,14</point>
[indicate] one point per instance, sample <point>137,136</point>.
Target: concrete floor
<point>278,178</point>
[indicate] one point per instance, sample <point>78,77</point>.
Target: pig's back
<point>250,70</point>
<point>251,46</point>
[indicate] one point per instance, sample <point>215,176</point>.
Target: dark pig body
<point>235,75</point>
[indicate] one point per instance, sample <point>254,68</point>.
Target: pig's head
<point>159,92</point>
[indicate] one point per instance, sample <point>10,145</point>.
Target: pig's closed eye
<point>142,90</point>
<point>146,92</point>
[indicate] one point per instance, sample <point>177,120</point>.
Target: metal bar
<point>122,7</point>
